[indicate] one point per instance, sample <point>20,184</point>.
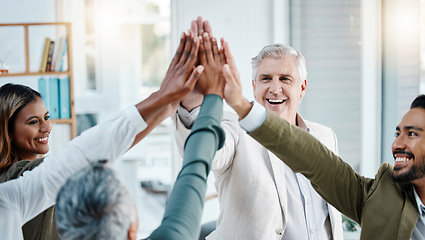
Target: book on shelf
<point>59,53</point>
<point>63,66</point>
<point>45,55</point>
<point>55,93</point>
<point>49,90</point>
<point>50,56</point>
<point>55,55</point>
<point>64,98</point>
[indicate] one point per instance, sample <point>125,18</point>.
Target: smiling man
<point>388,207</point>
<point>260,197</point>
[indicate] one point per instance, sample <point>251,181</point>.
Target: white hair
<point>93,204</point>
<point>278,50</point>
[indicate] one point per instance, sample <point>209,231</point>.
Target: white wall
<point>246,25</point>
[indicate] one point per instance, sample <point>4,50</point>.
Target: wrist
<point>242,108</point>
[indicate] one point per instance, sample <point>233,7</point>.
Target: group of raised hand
<point>200,67</point>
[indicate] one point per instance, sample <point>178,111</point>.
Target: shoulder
<point>324,134</point>
<point>317,127</point>
<point>384,169</point>
<point>18,168</point>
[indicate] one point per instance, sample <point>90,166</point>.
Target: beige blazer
<point>250,184</point>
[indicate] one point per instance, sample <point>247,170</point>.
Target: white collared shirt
<point>307,214</point>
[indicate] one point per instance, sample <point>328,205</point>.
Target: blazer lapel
<point>279,179</point>
<point>409,216</point>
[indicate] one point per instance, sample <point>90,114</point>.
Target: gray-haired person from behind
<point>111,207</point>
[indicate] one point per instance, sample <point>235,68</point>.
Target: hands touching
<point>179,81</point>
<point>212,60</point>
<point>212,80</point>
<point>219,76</point>
<point>198,27</point>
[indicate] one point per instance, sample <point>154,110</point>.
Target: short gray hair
<point>93,204</point>
<point>278,50</point>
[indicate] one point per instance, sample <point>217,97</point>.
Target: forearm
<point>184,209</point>
<point>108,140</point>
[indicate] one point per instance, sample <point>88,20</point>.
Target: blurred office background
<point>365,62</point>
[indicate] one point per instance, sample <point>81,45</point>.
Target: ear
<point>253,87</point>
<point>132,231</point>
<point>303,88</point>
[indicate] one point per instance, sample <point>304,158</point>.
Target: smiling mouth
<point>44,139</point>
<point>273,101</point>
<point>402,160</point>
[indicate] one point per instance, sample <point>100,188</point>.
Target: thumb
<point>228,76</point>
<point>194,76</point>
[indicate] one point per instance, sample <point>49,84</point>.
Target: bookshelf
<point>28,72</point>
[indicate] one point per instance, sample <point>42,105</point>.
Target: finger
<point>207,28</point>
<point>194,27</point>
<point>200,26</point>
<point>186,50</point>
<point>216,53</point>
<point>228,76</point>
<point>208,47</point>
<point>222,57</point>
<point>228,55</point>
<point>191,82</point>
<point>201,53</point>
<point>179,50</point>
<point>193,55</point>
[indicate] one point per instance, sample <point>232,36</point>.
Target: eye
<point>285,79</point>
<point>411,133</point>
<point>47,117</point>
<point>33,122</point>
<point>265,79</point>
<point>397,134</point>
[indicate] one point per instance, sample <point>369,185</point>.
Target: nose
<point>46,126</point>
<point>398,143</point>
<point>275,87</point>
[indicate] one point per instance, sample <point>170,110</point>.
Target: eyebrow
<point>409,128</point>
<point>32,117</point>
<point>280,75</point>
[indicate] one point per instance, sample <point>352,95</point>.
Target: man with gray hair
<point>259,196</point>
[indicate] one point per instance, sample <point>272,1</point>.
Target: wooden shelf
<point>71,121</point>
<point>34,74</point>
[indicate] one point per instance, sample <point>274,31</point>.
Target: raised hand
<point>179,80</point>
<point>181,76</point>
<point>195,98</point>
<point>212,80</point>
<point>233,89</point>
<point>198,27</point>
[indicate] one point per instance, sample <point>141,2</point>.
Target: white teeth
<point>42,139</point>
<point>401,159</point>
<point>275,101</point>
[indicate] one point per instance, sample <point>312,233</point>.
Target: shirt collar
<point>300,123</point>
<point>421,206</point>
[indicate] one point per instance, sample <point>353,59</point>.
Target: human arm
<point>24,198</point>
<point>179,81</point>
<point>184,209</point>
<point>343,188</point>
